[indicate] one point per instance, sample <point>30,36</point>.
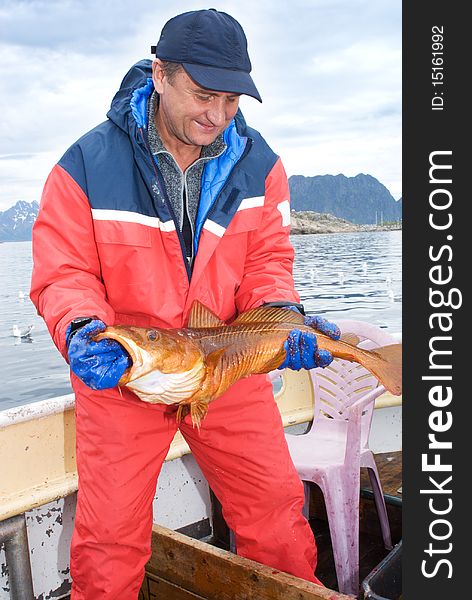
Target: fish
<point>194,365</point>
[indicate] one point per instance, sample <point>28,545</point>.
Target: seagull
<point>388,280</point>
<point>364,268</point>
<point>22,333</point>
<point>341,277</point>
<point>391,295</point>
<point>21,295</point>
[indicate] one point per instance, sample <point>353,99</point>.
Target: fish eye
<point>152,335</point>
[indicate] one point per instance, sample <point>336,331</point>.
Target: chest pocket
<point>123,233</point>
<point>247,217</point>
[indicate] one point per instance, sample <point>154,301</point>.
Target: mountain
<point>16,222</point>
<point>359,199</point>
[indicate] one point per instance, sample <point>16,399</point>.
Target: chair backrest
<point>341,384</point>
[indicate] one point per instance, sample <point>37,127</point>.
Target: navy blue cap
<point>212,48</point>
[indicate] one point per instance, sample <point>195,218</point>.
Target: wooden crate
<point>182,568</point>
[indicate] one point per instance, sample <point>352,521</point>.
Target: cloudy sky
<point>329,72</point>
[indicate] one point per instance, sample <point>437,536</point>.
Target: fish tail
<point>386,364</point>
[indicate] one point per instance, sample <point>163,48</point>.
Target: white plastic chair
<point>332,452</point>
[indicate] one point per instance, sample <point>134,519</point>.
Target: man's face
<point>191,114</point>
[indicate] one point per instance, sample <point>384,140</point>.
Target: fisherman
<point>172,199</point>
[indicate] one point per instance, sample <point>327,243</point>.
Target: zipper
<point>189,260</point>
<point>192,226</point>
<point>185,208</point>
<point>168,204</point>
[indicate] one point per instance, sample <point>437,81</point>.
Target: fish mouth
<point>131,348</point>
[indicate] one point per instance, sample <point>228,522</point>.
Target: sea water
<point>348,275</point>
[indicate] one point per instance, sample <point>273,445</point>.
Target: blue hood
<point>135,86</point>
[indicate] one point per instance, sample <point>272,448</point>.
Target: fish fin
<point>350,338</point>
<point>212,359</point>
<point>197,410</point>
<point>388,369</point>
<point>182,412</point>
<point>269,314</point>
<point>201,316</point>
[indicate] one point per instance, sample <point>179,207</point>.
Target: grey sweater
<point>183,189</point>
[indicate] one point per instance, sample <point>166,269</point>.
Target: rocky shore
<point>305,222</point>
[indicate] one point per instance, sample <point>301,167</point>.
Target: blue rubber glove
<point>99,365</point>
<point>302,347</point>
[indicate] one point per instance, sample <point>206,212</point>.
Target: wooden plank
<point>159,588</point>
<point>216,574</point>
<point>143,592</point>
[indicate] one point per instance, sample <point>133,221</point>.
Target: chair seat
<point>324,450</point>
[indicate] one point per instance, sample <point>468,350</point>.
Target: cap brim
<point>222,80</point>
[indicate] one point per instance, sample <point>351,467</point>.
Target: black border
<point>425,131</point>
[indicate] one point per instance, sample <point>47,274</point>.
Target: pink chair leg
<point>306,505</point>
<point>342,507</point>
<point>232,542</point>
<point>380,505</point>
